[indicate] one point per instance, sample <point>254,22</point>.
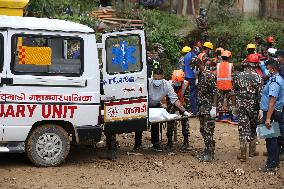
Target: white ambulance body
<point>52,90</point>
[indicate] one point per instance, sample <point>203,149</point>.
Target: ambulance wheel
<point>48,145</point>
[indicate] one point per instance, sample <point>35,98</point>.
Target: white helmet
<point>272,51</point>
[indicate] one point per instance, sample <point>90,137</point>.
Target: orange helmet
<point>253,58</point>
<point>270,39</point>
<point>178,76</point>
<point>227,54</point>
<point>219,49</point>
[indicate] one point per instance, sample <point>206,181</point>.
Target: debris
<point>159,163</point>
<point>135,154</point>
<point>172,154</point>
<point>239,171</point>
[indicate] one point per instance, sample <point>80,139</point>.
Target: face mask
<point>157,83</point>
<point>177,88</point>
<point>177,84</point>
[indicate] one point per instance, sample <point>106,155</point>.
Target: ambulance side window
<point>47,55</point>
<point>1,52</point>
<point>123,54</point>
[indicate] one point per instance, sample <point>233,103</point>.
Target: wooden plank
<point>104,16</point>
<point>126,20</point>
<point>109,22</point>
<point>137,25</point>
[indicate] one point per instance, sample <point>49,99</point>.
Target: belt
<point>280,110</point>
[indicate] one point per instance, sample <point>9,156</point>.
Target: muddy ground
<point>86,168</point>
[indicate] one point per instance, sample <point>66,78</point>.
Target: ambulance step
<point>13,147</point>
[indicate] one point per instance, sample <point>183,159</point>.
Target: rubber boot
<point>207,156</point>
<point>169,146</point>
<point>243,153</point>
<point>252,148</point>
<point>185,146</point>
<point>112,148</point>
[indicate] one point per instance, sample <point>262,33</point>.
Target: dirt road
<point>85,167</point>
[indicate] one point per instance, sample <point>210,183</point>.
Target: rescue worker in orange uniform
<point>180,86</point>
<point>224,85</point>
<point>218,55</point>
<point>206,54</point>
<point>217,59</point>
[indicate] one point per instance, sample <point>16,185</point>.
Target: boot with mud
<point>169,146</point>
<point>207,156</point>
<point>252,148</point>
<point>111,147</point>
<point>185,146</point>
<point>243,153</point>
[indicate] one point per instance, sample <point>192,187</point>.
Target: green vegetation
<point>166,29</point>
<point>227,29</point>
<point>236,33</point>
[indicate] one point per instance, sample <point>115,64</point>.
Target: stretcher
<point>162,124</point>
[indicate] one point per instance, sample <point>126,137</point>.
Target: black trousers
<point>154,133</point>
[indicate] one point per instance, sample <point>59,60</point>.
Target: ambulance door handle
<point>6,81</point>
<point>140,78</point>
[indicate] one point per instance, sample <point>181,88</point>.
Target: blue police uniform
<point>273,88</point>
<point>190,77</point>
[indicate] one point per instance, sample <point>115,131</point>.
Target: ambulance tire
<point>56,142</point>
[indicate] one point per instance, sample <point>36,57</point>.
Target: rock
<point>171,154</point>
<point>239,171</point>
<point>159,163</point>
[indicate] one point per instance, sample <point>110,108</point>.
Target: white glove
<point>186,113</point>
<point>260,114</point>
<point>213,112</point>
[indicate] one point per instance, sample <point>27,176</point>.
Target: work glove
<point>186,113</point>
<point>213,112</point>
<point>260,114</point>
<point>234,110</point>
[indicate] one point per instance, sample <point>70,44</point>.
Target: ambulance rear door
<point>3,43</point>
<point>125,80</point>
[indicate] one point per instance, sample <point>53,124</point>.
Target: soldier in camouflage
<point>202,23</point>
<point>247,86</point>
<point>207,101</point>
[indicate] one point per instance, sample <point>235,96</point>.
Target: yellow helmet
<point>186,49</point>
<point>251,46</point>
<point>208,45</point>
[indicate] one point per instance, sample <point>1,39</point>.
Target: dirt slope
<point>85,168</point>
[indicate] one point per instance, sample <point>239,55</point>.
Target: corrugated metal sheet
<point>187,7</point>
<point>251,7</point>
<point>268,8</point>
<point>273,8</point>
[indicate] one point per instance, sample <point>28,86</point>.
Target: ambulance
<point>58,86</point>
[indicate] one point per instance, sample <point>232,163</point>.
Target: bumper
<point>126,126</point>
<point>89,134</point>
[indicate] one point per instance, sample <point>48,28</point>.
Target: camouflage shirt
<point>206,91</point>
<point>202,23</point>
<point>247,86</point>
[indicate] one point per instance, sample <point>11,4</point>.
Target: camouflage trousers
<point>170,126</point>
<point>224,101</point>
<point>207,127</point>
<point>185,129</point>
<point>248,120</point>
